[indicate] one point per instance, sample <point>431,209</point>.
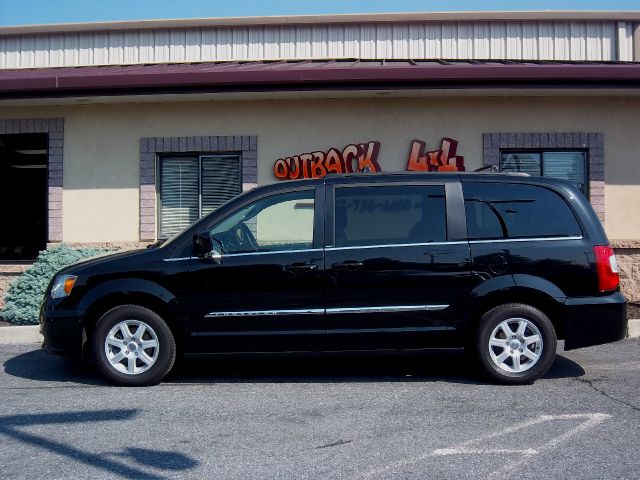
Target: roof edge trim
<point>486,16</point>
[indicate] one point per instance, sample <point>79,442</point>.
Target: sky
<point>24,12</point>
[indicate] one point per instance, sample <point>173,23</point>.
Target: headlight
<point>62,286</point>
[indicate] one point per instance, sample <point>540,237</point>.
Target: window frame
<point>570,207</point>
<point>181,247</point>
<point>316,233</point>
<point>456,230</point>
<point>200,156</point>
<point>542,151</point>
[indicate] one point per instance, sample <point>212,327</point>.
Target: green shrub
<point>26,292</point>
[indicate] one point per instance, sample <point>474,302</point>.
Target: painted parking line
<point>474,446</point>
<point>590,420</point>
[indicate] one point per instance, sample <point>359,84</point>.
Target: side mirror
<point>214,255</point>
<point>201,244</point>
<point>206,247</point>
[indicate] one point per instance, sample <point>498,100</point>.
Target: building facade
<point>123,133</point>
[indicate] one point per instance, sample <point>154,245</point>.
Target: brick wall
<point>8,273</point>
<point>628,256</point>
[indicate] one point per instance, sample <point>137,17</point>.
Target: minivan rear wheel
<point>516,343</point>
<point>133,346</point>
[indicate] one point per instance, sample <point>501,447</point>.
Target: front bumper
<point>61,328</point>
<point>594,320</point>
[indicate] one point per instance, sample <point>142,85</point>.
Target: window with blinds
<point>193,186</point>
<point>567,165</point>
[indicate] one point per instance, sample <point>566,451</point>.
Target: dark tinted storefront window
<point>498,210</point>
<point>23,195</point>
<point>567,165</point>
<point>389,215</point>
<point>193,186</point>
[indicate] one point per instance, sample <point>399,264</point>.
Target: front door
<point>267,292</point>
<point>395,271</point>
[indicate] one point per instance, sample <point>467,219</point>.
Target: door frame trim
<point>427,244</point>
<point>528,239</point>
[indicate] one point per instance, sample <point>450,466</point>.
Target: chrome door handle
<point>301,267</point>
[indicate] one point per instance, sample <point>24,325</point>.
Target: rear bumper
<point>594,320</point>
<point>61,329</point>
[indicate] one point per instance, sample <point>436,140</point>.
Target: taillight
<point>607,267</point>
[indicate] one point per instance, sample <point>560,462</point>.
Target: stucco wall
<point>101,149</point>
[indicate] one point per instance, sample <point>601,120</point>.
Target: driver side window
<point>275,223</point>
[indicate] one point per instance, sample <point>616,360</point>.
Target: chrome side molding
<point>330,311</point>
<point>387,309</point>
<point>260,313</point>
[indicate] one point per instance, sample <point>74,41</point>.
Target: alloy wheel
<point>132,347</point>
<point>515,345</point>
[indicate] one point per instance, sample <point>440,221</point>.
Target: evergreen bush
<point>25,294</point>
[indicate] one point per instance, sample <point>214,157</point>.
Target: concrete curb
<point>31,333</point>
<point>20,334</point>
<point>634,329</point>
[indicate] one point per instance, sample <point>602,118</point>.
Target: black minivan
<point>502,265</point>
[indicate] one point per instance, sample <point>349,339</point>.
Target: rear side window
<point>389,215</point>
<point>502,210</point>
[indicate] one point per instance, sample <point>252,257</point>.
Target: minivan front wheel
<point>133,346</point>
<point>516,343</point>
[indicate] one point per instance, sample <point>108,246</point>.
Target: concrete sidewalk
<point>31,333</point>
<point>19,334</point>
<point>634,329</point>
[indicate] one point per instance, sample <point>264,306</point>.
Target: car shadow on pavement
<point>40,366</point>
<point>428,366</point>
<point>450,366</point>
<point>133,463</point>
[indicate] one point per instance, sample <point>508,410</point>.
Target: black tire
<point>494,317</point>
<point>166,353</point>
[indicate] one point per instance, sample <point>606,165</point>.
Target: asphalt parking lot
<point>411,416</point>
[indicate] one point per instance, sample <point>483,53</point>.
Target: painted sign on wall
<point>442,160</point>
<point>354,158</point>
<point>363,158</point>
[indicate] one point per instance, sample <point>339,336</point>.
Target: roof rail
<point>493,169</point>
<point>480,171</point>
